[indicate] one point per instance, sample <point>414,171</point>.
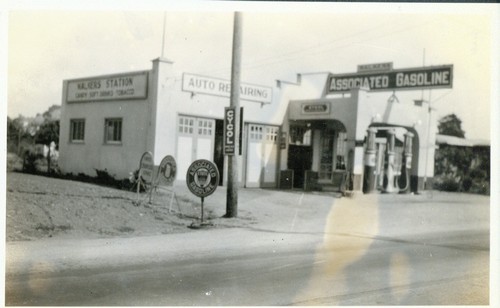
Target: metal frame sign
<point>219,87</point>
<point>202,178</point>
<point>114,87</point>
<point>146,167</point>
<point>431,77</point>
<point>167,170</point>
<point>229,137</point>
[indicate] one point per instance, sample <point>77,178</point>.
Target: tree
<point>48,133</point>
<point>451,125</point>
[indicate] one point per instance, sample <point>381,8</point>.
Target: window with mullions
<point>256,132</point>
<point>77,130</point>
<point>271,134</point>
<point>186,125</point>
<point>113,131</point>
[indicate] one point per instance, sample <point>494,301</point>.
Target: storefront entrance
<point>318,154</point>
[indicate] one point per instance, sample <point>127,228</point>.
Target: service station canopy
<point>430,77</point>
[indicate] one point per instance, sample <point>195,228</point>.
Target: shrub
<point>31,161</point>
<point>447,183</point>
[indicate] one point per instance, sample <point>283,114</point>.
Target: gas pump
<point>404,181</point>
<point>390,185</point>
<point>369,172</point>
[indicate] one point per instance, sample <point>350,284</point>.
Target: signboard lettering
<point>323,108</point>
<point>405,79</point>
<point>202,177</point>
<point>218,87</point>
<point>117,87</point>
<point>229,137</point>
<point>375,67</point>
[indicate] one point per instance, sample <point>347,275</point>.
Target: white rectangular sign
<point>115,87</point>
<point>219,87</point>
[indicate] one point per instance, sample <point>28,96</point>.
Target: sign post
<point>202,179</point>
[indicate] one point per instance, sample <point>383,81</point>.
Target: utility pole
<point>232,181</point>
<point>163,35</point>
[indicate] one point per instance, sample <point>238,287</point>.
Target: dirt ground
<point>41,207</point>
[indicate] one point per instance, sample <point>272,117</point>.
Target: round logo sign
<point>167,170</point>
<point>202,177</point>
<point>146,167</point>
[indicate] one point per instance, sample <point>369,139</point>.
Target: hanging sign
<point>229,138</point>
<point>431,77</point>
<point>167,170</point>
<point>146,167</point>
<point>202,178</point>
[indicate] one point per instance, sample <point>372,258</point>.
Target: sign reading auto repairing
<point>219,87</point>
<point>116,87</point>
<point>229,140</point>
<point>431,77</point>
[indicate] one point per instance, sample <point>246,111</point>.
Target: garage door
<point>261,155</point>
<point>195,140</point>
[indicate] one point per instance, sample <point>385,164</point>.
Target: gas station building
<point>323,131</point>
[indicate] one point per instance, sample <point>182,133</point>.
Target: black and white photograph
<point>227,153</point>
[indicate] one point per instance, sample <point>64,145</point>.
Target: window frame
<point>72,131</point>
<point>112,141</point>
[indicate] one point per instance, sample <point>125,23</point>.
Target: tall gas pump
<point>390,185</point>
<point>404,181</point>
<point>369,172</point>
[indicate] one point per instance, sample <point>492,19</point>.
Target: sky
<point>51,43</point>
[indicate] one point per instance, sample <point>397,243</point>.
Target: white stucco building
<point>315,128</point>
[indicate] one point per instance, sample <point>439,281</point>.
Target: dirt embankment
<point>41,207</point>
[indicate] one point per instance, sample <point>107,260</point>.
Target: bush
<point>447,183</point>
<point>31,161</point>
<point>14,162</point>
<point>467,183</point>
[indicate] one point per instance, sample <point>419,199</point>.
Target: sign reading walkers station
<point>202,178</point>
<point>114,87</point>
<point>430,77</point>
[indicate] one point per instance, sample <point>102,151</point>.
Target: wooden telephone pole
<point>232,182</point>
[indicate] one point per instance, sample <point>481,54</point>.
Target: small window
<point>77,130</point>
<point>186,125</point>
<point>113,131</point>
<point>271,134</point>
<point>256,132</point>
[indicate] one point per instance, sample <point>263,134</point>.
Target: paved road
<point>372,251</point>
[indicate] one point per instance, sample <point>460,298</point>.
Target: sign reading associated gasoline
<point>113,87</point>
<point>219,87</point>
<point>431,77</point>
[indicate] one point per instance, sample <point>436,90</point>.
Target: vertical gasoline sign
<point>229,139</point>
